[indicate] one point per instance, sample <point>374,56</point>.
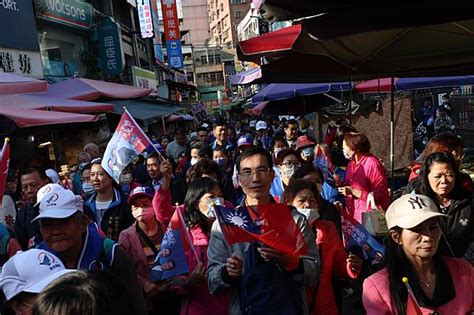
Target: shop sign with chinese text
<point>21,62</point>
<point>172,34</point>
<point>110,44</point>
<point>145,18</point>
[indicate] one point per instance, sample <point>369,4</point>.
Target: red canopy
<point>88,90</point>
<point>383,85</point>
<point>15,84</point>
<point>33,117</point>
<point>269,44</point>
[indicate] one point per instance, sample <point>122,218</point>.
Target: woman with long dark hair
<point>198,209</point>
<point>440,180</point>
<point>441,285</point>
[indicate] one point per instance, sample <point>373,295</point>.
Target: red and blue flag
<point>271,224</point>
<point>175,249</point>
<point>356,238</point>
<point>128,141</point>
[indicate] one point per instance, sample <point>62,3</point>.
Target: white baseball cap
<point>46,189</point>
<point>53,175</point>
<point>261,125</point>
<point>252,123</point>
<point>30,271</point>
<point>411,210</point>
<point>59,204</point>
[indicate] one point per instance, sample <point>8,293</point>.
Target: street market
<point>242,157</point>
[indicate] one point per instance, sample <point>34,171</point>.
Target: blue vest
<point>97,253</point>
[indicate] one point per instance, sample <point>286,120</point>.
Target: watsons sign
<point>73,13</point>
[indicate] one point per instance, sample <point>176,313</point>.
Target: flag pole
<point>180,216</point>
<point>6,140</point>
<point>410,292</point>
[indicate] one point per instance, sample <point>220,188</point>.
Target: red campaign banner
<point>170,19</point>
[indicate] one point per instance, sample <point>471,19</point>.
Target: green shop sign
<point>74,13</point>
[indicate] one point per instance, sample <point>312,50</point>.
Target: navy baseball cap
<point>140,191</point>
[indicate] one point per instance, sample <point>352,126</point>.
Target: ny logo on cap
<point>416,201</point>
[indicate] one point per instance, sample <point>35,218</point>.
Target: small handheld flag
<point>272,225</point>
<point>128,141</point>
<point>355,235</point>
<point>4,165</point>
<point>412,305</point>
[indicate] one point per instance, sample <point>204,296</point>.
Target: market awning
<point>434,50</point>
<point>42,102</point>
<point>402,84</point>
<point>88,90</point>
<point>16,84</point>
<point>147,112</point>
<point>281,91</point>
<point>246,77</point>
<point>34,117</point>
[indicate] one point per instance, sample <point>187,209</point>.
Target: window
<point>237,1</point>
<point>217,58</point>
<point>237,13</point>
<point>222,6</point>
<point>204,60</point>
<point>211,59</point>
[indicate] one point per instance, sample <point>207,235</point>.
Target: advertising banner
<point>73,13</point>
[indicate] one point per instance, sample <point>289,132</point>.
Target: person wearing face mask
<point>288,161</point>
<point>305,147</point>
<point>126,179</point>
<point>198,211</point>
<point>364,174</point>
<point>141,242</point>
<point>303,195</point>
<point>83,159</point>
<point>221,157</point>
<point>87,186</point>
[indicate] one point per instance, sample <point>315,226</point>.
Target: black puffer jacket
<point>458,228</point>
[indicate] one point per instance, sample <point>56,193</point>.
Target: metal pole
<point>350,100</point>
<point>392,136</point>
<point>164,125</point>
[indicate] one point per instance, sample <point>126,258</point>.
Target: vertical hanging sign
<point>172,35</point>
<point>110,44</point>
<point>145,18</point>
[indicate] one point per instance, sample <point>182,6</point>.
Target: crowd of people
<point>88,244</point>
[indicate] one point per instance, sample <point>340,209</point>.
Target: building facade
<point>224,16</point>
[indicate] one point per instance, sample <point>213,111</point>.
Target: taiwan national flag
<point>4,164</point>
<point>128,141</point>
<point>356,238</point>
<point>174,250</point>
<point>271,224</point>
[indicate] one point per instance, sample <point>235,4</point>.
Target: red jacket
<point>333,265</point>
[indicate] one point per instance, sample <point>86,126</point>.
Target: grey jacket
<point>218,252</point>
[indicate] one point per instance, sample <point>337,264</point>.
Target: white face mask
<point>143,214</point>
<point>346,154</point>
<point>211,211</point>
<point>194,161</point>
<point>289,171</point>
<point>310,214</point>
<point>126,179</point>
<point>307,152</point>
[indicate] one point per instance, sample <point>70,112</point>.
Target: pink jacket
<point>368,175</point>
<point>333,265</point>
<point>198,300</point>
<point>376,294</point>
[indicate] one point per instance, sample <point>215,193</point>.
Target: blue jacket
<point>97,253</point>
<point>115,219</point>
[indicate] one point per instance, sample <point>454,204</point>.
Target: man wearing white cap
<point>69,234</point>
<point>26,274</point>
<point>262,139</point>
